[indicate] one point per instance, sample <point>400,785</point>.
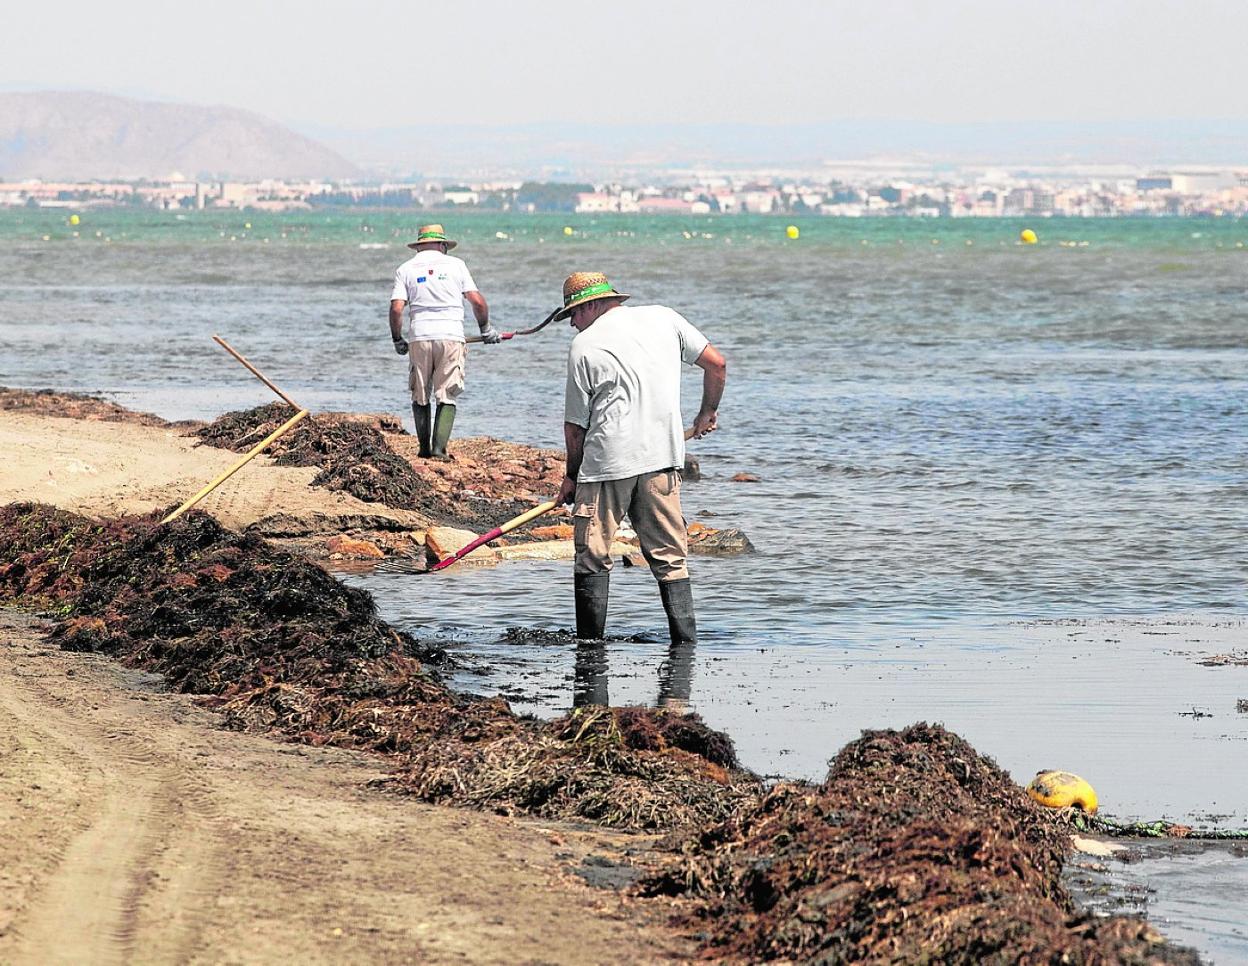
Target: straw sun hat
<point>432,233</point>
<point>582,287</point>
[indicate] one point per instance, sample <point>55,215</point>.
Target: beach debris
<point>352,548</point>
<point>1095,847</point>
<point>275,644</point>
<point>709,542</point>
<point>444,542</point>
<point>915,848</point>
<point>352,455</point>
<point>74,405</point>
<point>1061,789</point>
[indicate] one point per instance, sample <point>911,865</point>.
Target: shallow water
<point>1001,487</point>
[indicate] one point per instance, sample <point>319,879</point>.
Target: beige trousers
<point>652,502</point>
<point>435,369</point>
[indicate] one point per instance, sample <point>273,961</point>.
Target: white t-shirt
<point>624,389</point>
<point>433,286</point>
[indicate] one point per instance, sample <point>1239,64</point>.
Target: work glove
<point>491,335</point>
<point>400,347</point>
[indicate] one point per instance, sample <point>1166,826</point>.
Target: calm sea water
<point>1001,486</point>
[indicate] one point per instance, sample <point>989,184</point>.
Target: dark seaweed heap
<point>275,643</point>
<point>352,455</point>
<point>914,849</point>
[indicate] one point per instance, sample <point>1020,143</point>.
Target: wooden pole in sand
<point>254,371</point>
<point>252,453</point>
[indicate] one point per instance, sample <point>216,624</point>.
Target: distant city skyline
<point>382,64</point>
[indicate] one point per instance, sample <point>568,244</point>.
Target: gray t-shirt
<point>624,389</point>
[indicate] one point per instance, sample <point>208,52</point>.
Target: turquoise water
<point>482,228</point>
<point>1002,487</point>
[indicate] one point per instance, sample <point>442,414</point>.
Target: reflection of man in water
<point>592,675</point>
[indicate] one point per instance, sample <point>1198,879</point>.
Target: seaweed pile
<point>914,849</point>
<point>352,455</point>
<point>636,768</point>
<point>74,405</point>
<point>355,457</point>
<point>274,643</point>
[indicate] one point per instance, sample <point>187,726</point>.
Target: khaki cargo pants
<point>435,371</point>
<point>652,502</point>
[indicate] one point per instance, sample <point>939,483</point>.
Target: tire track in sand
<point>149,850</point>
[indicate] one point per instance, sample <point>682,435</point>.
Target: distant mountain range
<point>78,136</point>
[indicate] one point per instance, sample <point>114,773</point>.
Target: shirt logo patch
<point>421,278</point>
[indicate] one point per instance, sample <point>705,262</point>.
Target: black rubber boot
<point>443,421</point>
<point>592,593</point>
<point>424,428</point>
<point>678,602</point>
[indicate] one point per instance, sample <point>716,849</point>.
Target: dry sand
<point>115,468</point>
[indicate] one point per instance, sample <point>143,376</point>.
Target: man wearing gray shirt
<point>626,442</point>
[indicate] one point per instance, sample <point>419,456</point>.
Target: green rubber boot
<point>424,427</point>
<point>443,421</point>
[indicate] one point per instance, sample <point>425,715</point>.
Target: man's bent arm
<point>480,309</point>
<point>714,375</point>
<point>396,319</point>
<point>574,440</point>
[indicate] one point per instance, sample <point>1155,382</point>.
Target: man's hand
<point>490,335</point>
<point>705,423</point>
<point>400,347</point>
<point>567,491</point>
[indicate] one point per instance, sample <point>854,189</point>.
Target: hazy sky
<point>399,63</point>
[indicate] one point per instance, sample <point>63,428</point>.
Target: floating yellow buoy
<point>247,224</point>
<point>74,219</point>
<point>1061,789</point>
<point>1027,237</point>
<point>793,232</point>
<point>567,229</point>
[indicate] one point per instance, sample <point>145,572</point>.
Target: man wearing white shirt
<point>626,442</point>
<point>433,286</point>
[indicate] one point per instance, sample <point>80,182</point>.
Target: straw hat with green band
<point>582,287</point>
<point>432,233</point>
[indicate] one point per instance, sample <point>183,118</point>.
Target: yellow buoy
<point>1061,789</point>
<point>793,232</point>
<point>74,219</point>
<point>1027,237</point>
<point>567,229</point>
<point>247,224</point>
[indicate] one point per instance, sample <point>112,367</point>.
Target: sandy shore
<point>135,829</point>
<point>116,468</point>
